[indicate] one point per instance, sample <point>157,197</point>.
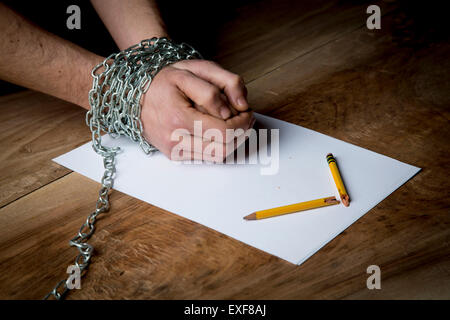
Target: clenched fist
<point>194,90</point>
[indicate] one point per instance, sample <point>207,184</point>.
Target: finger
<point>203,94</point>
<point>200,108</point>
<point>198,123</point>
<point>191,120</point>
<point>188,156</point>
<point>186,145</point>
<point>232,109</point>
<point>204,145</point>
<point>232,84</point>
<point>196,148</point>
<point>224,98</point>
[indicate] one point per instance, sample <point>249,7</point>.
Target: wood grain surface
<point>385,90</point>
<point>290,29</point>
<point>35,128</point>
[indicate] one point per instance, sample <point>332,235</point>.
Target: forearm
<point>41,61</point>
<point>130,21</point>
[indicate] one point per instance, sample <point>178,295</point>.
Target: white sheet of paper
<point>220,195</point>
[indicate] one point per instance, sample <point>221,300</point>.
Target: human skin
<point>184,92</point>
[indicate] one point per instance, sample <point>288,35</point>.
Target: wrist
<point>137,37</point>
<point>81,97</point>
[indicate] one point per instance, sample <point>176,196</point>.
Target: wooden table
<point>312,63</point>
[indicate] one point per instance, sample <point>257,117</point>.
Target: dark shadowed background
<point>197,23</point>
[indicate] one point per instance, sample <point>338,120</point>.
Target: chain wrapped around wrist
<point>115,100</point>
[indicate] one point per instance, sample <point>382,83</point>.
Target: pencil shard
<point>332,200</point>
<point>345,199</point>
<point>251,216</point>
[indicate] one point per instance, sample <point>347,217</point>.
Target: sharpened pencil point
<point>251,216</point>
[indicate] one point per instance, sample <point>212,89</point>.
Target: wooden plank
<point>34,128</point>
<point>362,85</point>
<point>362,51</point>
<point>429,281</point>
<point>269,34</point>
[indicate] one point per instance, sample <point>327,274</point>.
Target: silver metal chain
<point>115,99</point>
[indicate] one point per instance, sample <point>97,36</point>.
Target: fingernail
<point>242,102</point>
<point>225,112</point>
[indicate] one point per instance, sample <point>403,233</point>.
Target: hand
<point>231,86</point>
<point>194,90</point>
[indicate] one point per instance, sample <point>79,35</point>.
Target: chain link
<point>115,100</point>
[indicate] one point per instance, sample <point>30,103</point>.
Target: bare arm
<point>130,21</point>
<point>39,60</point>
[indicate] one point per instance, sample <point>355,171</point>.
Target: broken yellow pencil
<point>338,180</point>
<point>292,208</point>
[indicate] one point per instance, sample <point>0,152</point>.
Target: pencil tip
<point>251,216</point>
<point>345,200</point>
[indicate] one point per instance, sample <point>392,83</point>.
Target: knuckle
<point>236,80</point>
<point>211,95</point>
<point>210,63</point>
<point>178,75</point>
<point>182,63</point>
